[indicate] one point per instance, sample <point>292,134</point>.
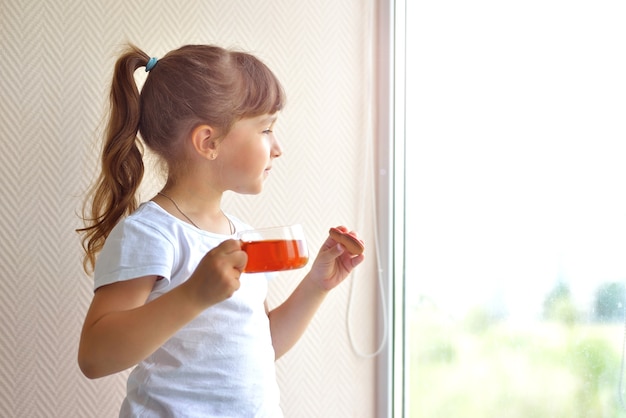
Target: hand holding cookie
<point>335,262</point>
<point>352,244</point>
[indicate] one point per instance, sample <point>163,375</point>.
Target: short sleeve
<point>134,249</point>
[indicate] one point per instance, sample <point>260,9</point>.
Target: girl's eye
<point>267,131</point>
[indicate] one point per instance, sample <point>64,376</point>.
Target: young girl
<point>170,297</point>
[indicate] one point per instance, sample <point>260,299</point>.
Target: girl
<point>170,297</point>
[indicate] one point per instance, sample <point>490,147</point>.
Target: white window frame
<point>390,99</point>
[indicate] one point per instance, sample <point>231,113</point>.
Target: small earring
<point>213,156</point>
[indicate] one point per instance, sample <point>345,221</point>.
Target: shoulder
<point>148,220</point>
<point>147,232</point>
<point>143,243</point>
<point>151,215</point>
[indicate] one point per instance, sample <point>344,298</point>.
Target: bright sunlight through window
<point>516,208</point>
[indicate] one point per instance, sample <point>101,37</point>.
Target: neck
<point>200,213</point>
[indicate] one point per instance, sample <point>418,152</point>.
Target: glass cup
<point>274,249</point>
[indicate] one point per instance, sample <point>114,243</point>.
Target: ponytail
<point>114,195</point>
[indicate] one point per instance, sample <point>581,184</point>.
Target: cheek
<point>245,174</point>
<point>250,159</point>
<point>248,164</point>
<point>260,154</point>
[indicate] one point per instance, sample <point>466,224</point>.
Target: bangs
<point>260,91</point>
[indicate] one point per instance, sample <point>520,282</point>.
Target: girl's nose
<point>277,149</point>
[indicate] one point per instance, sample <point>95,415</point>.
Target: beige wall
<point>56,59</point>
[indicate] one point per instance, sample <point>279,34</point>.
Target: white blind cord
<point>369,185</point>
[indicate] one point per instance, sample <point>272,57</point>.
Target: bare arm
<point>289,320</point>
<point>121,329</point>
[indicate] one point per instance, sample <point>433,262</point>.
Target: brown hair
<point>190,86</point>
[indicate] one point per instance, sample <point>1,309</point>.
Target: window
<point>515,228</point>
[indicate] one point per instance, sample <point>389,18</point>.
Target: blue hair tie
<point>151,63</point>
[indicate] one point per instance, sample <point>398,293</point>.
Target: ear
<point>205,142</point>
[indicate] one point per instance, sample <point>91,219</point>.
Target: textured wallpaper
<point>56,59</point>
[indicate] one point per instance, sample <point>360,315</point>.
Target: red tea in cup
<point>274,249</point>
<point>275,255</point>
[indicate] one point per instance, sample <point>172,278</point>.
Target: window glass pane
<point>516,208</point>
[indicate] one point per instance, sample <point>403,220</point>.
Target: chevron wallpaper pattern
<point>56,59</point>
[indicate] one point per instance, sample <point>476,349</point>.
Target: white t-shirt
<point>221,364</point>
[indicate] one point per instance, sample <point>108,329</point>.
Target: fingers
<point>216,277</point>
<point>357,260</point>
<point>229,246</point>
<point>340,254</point>
<point>236,255</point>
<point>343,246</point>
<point>348,239</point>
